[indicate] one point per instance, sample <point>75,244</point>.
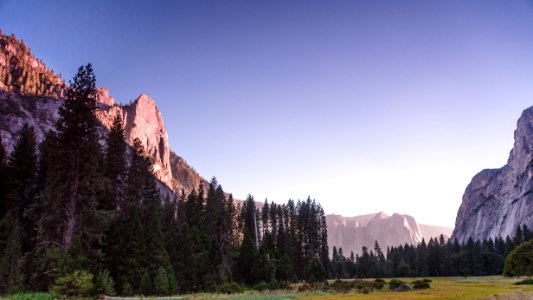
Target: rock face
<point>352,233</point>
<point>498,200</point>
<point>38,107</point>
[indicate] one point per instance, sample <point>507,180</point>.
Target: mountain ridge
<point>352,233</point>
<point>31,93</point>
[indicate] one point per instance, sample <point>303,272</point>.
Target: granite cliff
<point>352,233</point>
<point>30,93</point>
<point>498,200</point>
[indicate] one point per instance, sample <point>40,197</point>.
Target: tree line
<point>437,257</point>
<point>76,209</point>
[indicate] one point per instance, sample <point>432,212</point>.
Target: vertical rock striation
<point>498,200</point>
<point>30,93</point>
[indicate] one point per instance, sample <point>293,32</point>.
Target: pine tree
<point>161,282</point>
<point>11,257</point>
<point>115,164</point>
<point>71,191</point>
<point>3,179</point>
<point>22,181</point>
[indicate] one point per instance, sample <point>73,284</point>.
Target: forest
<point>76,208</point>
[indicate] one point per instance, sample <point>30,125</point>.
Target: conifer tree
<point>3,179</point>
<point>22,181</point>
<point>115,164</point>
<point>71,191</point>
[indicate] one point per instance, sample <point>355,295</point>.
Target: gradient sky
<point>365,106</point>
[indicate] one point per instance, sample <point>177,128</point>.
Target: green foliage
<point>395,283</point>
<point>146,284</point>
<point>420,284</point>
<point>230,288</point>
<point>11,258</point>
<point>127,289</point>
<point>161,282</point>
<point>525,281</point>
<point>104,283</point>
<point>427,280</point>
<point>519,262</point>
<point>32,296</point>
<point>173,286</point>
<point>261,286</point>
<point>77,283</point>
<point>379,283</point>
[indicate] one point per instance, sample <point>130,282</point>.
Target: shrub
<point>104,284</point>
<point>161,282</point>
<point>146,284</point>
<point>77,283</point>
<point>379,283</point>
<point>274,284</point>
<point>420,284</point>
<point>261,286</point>
<point>127,289</point>
<point>229,288</point>
<point>402,288</point>
<point>525,281</point>
<point>427,280</point>
<point>173,286</point>
<point>395,283</point>
<point>520,261</point>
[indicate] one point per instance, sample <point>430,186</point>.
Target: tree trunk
<point>70,207</point>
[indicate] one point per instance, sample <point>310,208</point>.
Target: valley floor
<point>489,287</point>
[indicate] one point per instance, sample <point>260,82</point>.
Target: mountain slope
<point>30,93</point>
<point>352,233</point>
<point>498,200</point>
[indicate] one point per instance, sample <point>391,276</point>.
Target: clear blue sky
<point>364,105</point>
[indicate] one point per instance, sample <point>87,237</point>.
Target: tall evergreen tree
<point>22,182</point>
<point>3,177</point>
<point>71,193</point>
<point>115,164</point>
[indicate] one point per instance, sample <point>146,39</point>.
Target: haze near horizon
<point>365,106</point>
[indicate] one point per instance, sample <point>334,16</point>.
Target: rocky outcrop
<point>142,120</point>
<point>38,107</point>
<point>498,200</point>
<point>352,233</point>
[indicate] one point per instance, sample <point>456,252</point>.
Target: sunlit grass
<point>492,287</point>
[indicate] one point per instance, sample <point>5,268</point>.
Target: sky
<point>365,106</point>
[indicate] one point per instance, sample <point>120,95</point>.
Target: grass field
<point>493,287</point>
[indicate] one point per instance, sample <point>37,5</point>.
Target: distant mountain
<point>352,233</point>
<point>497,201</point>
<point>31,93</point>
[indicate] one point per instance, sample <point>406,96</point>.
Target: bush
<point>420,284</point>
<point>104,284</point>
<point>229,288</point>
<point>427,280</point>
<point>161,282</point>
<point>261,286</point>
<point>520,261</point>
<point>379,283</point>
<point>525,281</point>
<point>402,288</point>
<point>127,289</point>
<point>395,283</point>
<point>146,284</point>
<point>77,283</point>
